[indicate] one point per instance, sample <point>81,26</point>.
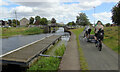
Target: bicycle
<point>99,44</point>
<point>100,37</point>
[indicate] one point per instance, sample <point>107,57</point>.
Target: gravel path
<point>104,60</point>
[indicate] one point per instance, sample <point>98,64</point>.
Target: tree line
<point>32,21</point>
<point>41,21</point>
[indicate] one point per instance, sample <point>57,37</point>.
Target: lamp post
<point>94,15</point>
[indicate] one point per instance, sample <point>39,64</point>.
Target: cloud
<point>24,9</point>
<point>62,13</point>
<point>54,8</point>
<point>3,3</point>
<point>5,13</point>
<point>62,0</point>
<point>105,17</point>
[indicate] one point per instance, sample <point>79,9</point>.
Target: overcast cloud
<point>53,8</point>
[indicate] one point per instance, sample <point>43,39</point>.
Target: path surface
<point>70,60</point>
<point>104,60</point>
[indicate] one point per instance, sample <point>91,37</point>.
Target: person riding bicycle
<point>87,31</point>
<point>99,30</point>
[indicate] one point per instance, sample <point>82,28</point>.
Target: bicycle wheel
<point>100,46</point>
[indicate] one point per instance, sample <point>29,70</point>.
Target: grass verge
<point>60,50</point>
<point>48,63</point>
<point>8,32</point>
<point>83,63</point>
<point>111,38</point>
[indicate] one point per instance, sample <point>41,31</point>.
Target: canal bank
<point>11,43</point>
<point>26,56</point>
<point>50,60</point>
<point>59,32</point>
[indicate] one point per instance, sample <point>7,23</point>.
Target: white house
<point>24,22</point>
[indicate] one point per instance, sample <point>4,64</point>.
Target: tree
<point>53,21</point>
<point>116,14</point>
<point>10,22</point>
<point>14,23</point>
<point>31,20</point>
<point>71,23</point>
<point>82,19</point>
<point>3,23</point>
<point>37,20</point>
<point>43,21</point>
<point>107,25</point>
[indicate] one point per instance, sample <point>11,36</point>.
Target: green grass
<point>83,63</point>
<point>48,63</point>
<point>7,32</point>
<point>111,38</point>
<point>60,50</point>
<point>34,30</point>
<point>92,31</point>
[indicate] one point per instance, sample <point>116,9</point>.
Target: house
<point>24,22</point>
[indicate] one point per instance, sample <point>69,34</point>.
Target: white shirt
<point>98,27</point>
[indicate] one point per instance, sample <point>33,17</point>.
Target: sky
<point>62,10</point>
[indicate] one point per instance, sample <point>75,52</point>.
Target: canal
<point>12,43</point>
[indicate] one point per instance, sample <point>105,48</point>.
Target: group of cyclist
<point>99,32</point>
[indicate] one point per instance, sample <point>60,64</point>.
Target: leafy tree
<point>10,22</point>
<point>31,20</point>
<point>82,19</point>
<point>107,25</point>
<point>37,20</point>
<point>116,14</point>
<point>53,21</point>
<point>71,23</point>
<point>14,22</point>
<point>3,22</point>
<point>43,21</point>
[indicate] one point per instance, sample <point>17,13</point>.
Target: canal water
<point>11,43</point>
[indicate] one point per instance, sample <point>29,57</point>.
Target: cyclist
<point>98,28</point>
<point>87,31</point>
